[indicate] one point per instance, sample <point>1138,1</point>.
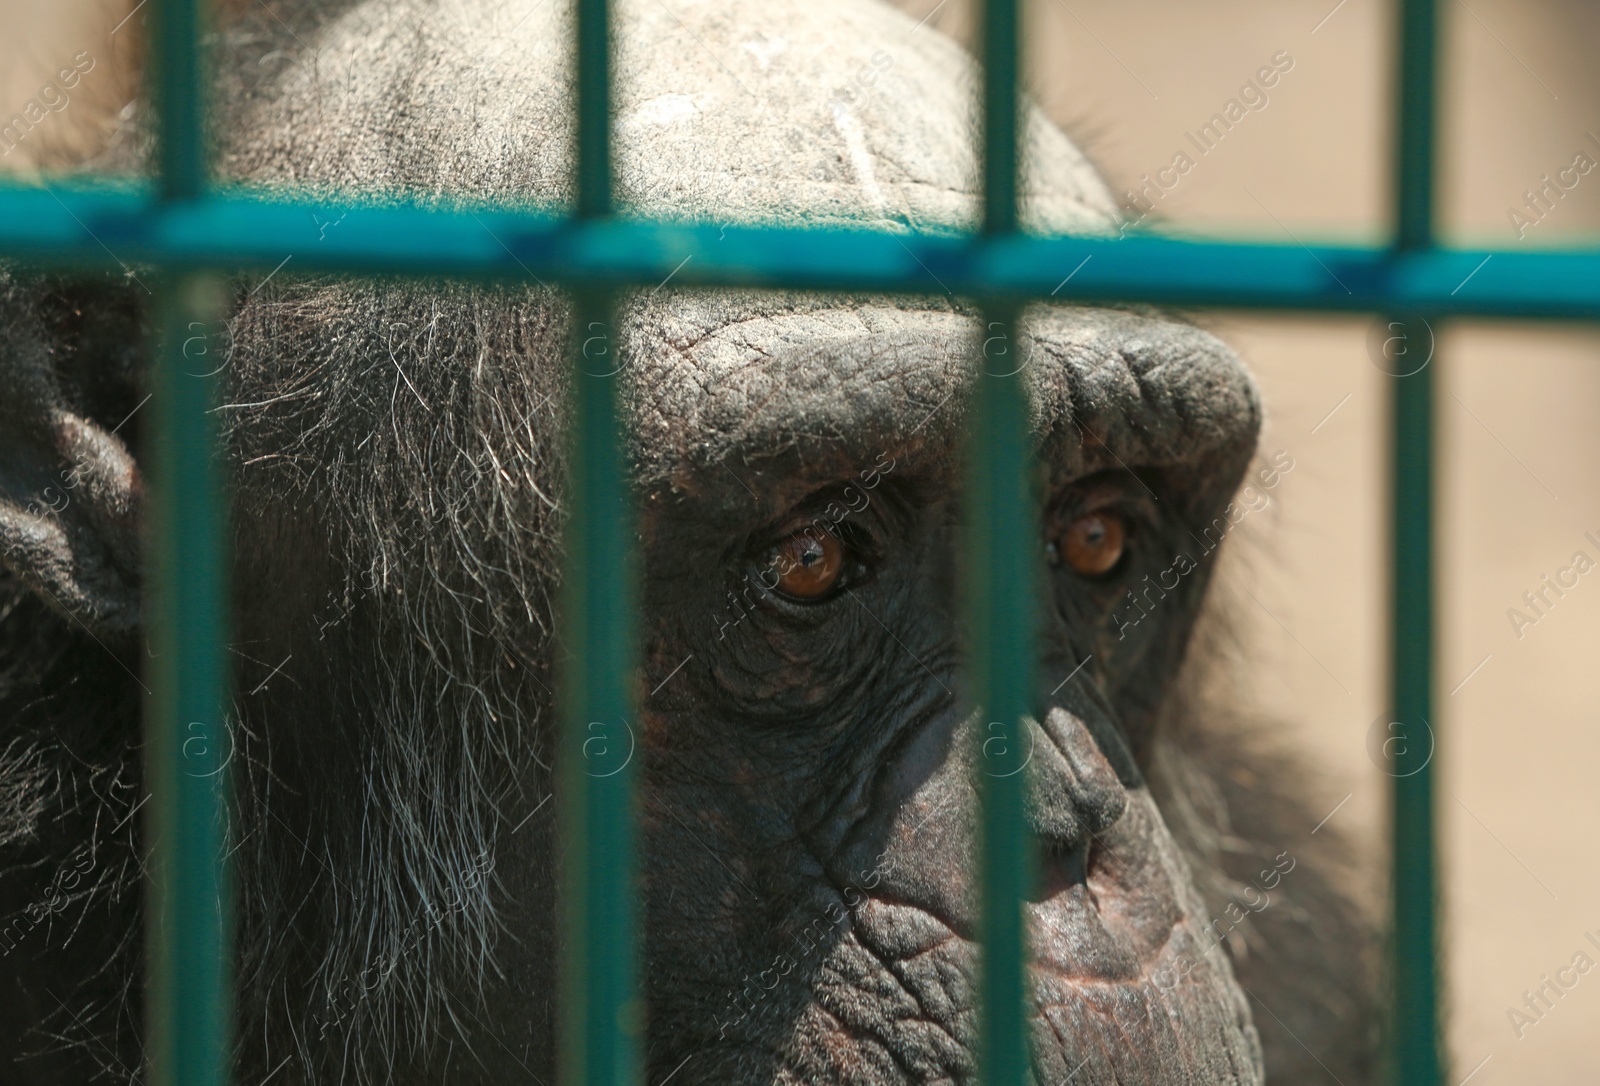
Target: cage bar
<point>601,1013</point>
<point>1414,1012</point>
<point>189,1010</point>
<point>238,230</point>
<point>1001,549</point>
<point>1414,976</point>
<point>1001,556</point>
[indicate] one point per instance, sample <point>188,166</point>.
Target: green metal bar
<point>1414,124</point>
<point>189,1011</point>
<point>190,1007</point>
<point>234,231</point>
<point>1002,552</point>
<point>1000,111</point>
<point>179,93</point>
<point>602,1018</point>
<point>594,109</point>
<point>1001,548</point>
<point>1415,1025</point>
<point>1417,1059</point>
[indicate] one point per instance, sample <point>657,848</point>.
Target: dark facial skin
<point>809,807</point>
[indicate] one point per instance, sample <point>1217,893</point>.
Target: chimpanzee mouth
<point>1101,1013</point>
<point>1124,990</point>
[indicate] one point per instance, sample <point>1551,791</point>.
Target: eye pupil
<point>807,564</point>
<point>1093,543</point>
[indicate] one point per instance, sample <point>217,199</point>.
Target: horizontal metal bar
<point>95,226</point>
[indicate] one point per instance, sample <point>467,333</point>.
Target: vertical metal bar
<point>1414,124</point>
<point>1417,1060</point>
<point>187,921</point>
<point>1001,554</point>
<point>1002,551</point>
<point>1000,69</point>
<point>189,1013</point>
<point>179,91</point>
<point>594,108</point>
<point>1414,1027</point>
<point>602,1019</point>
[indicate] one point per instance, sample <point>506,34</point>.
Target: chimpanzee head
<point>808,753</point>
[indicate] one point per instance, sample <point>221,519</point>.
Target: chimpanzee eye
<point>1093,543</point>
<point>807,564</point>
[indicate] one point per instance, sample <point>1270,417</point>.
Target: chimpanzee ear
<point>70,492</point>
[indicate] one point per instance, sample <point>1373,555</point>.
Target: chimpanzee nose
<point>1074,796</point>
<point>1073,792</point>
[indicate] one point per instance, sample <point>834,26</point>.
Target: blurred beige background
<point>1519,452</point>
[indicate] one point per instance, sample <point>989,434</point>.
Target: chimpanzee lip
<point>1119,965</point>
<point>1147,1011</point>
<point>1119,1019</point>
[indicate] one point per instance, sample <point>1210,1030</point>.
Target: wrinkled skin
<point>808,769</point>
<point>827,893</point>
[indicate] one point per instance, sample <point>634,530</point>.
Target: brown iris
<point>1093,543</point>
<point>807,564</point>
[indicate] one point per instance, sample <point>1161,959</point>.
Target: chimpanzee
<point>807,750</point>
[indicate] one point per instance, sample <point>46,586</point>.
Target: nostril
<point>1062,867</point>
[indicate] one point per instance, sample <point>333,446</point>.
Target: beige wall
<point>1519,450</point>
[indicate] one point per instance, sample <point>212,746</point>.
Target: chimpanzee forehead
<point>754,401</point>
<point>830,112</point>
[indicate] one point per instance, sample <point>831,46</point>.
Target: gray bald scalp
<point>835,113</point>
<point>831,113</point>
